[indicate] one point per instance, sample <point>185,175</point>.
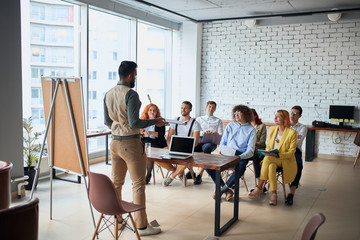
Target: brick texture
<point>276,67</point>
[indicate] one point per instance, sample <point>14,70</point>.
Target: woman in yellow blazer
<point>283,138</point>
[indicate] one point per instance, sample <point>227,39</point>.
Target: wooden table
<point>208,161</point>
<point>310,139</point>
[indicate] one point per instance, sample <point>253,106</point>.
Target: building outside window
<point>52,48</point>
<point>54,42</point>
<point>115,56</point>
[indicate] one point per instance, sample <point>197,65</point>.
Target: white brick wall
<point>276,67</point>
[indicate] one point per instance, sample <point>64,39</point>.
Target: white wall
<point>187,68</point>
<point>10,88</point>
<point>276,67</point>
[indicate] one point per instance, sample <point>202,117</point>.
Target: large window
<point>109,44</point>
<point>153,52</point>
<point>52,48</point>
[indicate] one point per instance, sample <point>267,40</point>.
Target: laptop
<point>181,147</point>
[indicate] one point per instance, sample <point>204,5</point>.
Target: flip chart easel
<point>64,114</point>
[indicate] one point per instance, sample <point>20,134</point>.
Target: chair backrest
<point>103,195</point>
<point>20,222</point>
<point>357,139</point>
<point>312,226</point>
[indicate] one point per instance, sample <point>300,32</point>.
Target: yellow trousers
<point>268,171</point>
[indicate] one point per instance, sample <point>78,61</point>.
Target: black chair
<point>20,222</point>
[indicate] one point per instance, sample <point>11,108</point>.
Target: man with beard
<point>190,128</point>
<point>121,112</point>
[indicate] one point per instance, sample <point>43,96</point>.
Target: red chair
<point>104,199</point>
<point>20,222</point>
<point>312,226</point>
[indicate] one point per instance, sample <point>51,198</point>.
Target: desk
<point>310,139</point>
<point>209,161</point>
<point>106,134</point>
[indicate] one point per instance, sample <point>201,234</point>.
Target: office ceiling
<point>212,10</point>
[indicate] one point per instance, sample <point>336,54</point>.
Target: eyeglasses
<point>237,113</point>
<point>294,113</point>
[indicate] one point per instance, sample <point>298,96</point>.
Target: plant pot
<point>31,174</point>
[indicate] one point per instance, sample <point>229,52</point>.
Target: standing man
<point>121,112</point>
<point>301,130</point>
<point>190,128</point>
<point>209,125</point>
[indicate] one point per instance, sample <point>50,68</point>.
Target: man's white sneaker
<point>150,230</point>
<point>166,182</point>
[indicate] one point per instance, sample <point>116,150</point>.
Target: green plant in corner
<point>31,147</point>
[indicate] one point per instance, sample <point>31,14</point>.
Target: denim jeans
<point>230,182</point>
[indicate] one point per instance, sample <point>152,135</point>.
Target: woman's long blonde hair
<point>285,115</point>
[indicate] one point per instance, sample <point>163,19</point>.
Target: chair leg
<point>161,171</point>
<point>356,162</point>
<point>243,179</point>
<point>283,185</point>
<point>154,173</point>
<point>192,173</point>
<point>116,228</point>
<point>135,229</point>
<point>97,226</point>
<point>184,178</point>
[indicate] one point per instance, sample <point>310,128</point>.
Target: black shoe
<point>188,175</point>
<point>198,180</point>
<point>289,199</point>
<point>148,177</point>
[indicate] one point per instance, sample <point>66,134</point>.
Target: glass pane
<point>109,42</point>
<point>152,55</point>
<point>52,48</point>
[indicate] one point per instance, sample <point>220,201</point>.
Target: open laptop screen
<point>182,145</point>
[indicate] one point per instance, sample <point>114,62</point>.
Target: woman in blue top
<point>239,136</point>
<point>152,134</point>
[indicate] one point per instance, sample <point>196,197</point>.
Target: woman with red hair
<point>152,134</point>
<point>260,139</point>
<point>284,139</point>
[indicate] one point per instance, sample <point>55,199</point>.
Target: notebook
<point>181,147</point>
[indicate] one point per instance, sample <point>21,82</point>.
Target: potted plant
<point>31,150</point>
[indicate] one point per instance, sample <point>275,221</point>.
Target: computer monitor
<point>341,114</point>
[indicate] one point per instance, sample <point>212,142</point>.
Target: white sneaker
<point>166,182</point>
<point>150,230</point>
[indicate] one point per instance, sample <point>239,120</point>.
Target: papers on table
<point>173,121</point>
<point>226,151</point>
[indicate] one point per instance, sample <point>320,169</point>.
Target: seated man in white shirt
<point>301,130</point>
<point>190,128</point>
<point>209,125</point>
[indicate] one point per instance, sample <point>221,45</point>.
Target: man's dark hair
<point>188,103</point>
<point>297,107</point>
<point>245,110</point>
<point>211,102</point>
<point>126,68</point>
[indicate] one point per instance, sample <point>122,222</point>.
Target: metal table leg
<point>220,230</point>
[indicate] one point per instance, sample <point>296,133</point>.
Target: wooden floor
<point>330,186</point>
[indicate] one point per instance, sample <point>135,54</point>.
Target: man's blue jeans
<point>231,180</point>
